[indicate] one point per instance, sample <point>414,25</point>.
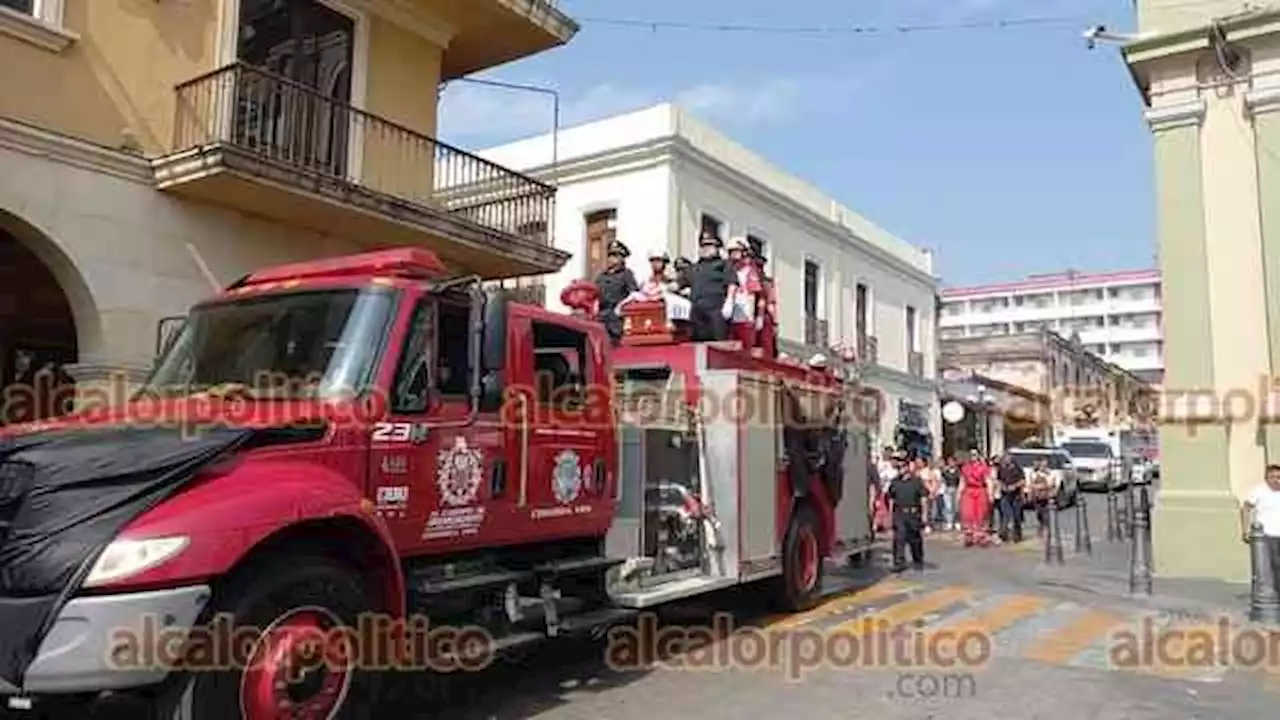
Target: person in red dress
<point>975,500</point>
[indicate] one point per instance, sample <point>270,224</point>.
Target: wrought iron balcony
<point>299,137</point>
<point>815,332</point>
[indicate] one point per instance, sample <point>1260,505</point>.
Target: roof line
<point>1054,280</point>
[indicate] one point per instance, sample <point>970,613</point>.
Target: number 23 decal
<point>399,432</point>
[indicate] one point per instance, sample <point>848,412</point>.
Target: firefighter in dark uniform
<point>616,283</point>
<point>709,280</point>
<point>907,493</point>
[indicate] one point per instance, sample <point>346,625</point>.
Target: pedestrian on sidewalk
<point>1041,487</point>
<point>1263,505</point>
<point>950,493</point>
<point>909,496</point>
<point>933,489</point>
<point>975,502</point>
<point>1012,485</point>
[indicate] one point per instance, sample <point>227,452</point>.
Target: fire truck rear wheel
<point>294,662</point>
<point>801,583</point>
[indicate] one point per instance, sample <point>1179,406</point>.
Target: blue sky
<point>1006,151</point>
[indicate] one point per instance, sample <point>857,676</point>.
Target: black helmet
<point>618,249</point>
<point>710,239</point>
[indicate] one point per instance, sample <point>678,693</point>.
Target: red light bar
<point>399,262</point>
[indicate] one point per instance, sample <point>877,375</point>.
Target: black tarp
<point>64,495</point>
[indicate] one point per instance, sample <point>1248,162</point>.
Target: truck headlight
<point>124,558</point>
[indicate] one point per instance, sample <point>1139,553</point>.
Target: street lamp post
<point>555,106</point>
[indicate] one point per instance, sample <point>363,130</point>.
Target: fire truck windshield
<point>304,345</point>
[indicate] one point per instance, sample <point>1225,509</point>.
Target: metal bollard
<point>1113,516</point>
<point>1140,580</point>
<point>1053,538</point>
<point>1264,601</point>
<point>1083,542</point>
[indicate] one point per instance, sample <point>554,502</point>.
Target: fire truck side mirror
<point>167,331</point>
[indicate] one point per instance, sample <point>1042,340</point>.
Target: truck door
<point>566,463</point>
<point>430,467</point>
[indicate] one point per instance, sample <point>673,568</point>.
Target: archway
<point>38,334</point>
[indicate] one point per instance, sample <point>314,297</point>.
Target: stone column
<point>1203,451</point>
<point>1263,102</point>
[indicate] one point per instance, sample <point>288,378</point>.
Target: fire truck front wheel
<point>289,625</point>
<point>801,583</point>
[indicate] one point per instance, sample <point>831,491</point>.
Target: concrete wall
<point>113,81</point>
<point>125,254</point>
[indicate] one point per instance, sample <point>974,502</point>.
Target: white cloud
<point>770,102</point>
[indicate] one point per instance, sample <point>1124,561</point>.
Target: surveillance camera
<point>1099,33</point>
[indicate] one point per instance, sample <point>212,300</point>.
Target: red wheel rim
<point>299,669</point>
<point>808,559</point>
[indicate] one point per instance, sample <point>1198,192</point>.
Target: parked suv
<point>1059,467</point>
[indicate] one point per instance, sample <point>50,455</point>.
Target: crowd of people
<point>984,498</point>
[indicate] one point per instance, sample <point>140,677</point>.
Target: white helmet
<point>739,243</point>
<point>818,361</point>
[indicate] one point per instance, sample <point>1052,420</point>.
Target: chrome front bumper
<point>109,642</point>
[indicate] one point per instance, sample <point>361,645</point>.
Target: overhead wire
<point>655,25</point>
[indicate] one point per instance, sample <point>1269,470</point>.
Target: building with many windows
<point>153,152</point>
<point>1116,315</point>
<point>658,178</point>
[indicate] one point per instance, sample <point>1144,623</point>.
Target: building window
<point>812,288</point>
<point>602,228</point>
<point>862,313</point>
<point>711,225</point>
<point>26,7</point>
<point>758,246</point>
<point>913,331</point>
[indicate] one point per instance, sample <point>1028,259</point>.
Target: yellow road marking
<point>903,612</point>
<point>1060,646</point>
<point>989,621</point>
<point>838,604</point>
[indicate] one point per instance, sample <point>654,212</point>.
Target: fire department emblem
<point>459,473</point>
<point>567,478</point>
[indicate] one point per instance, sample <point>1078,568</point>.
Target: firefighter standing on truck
<point>709,281</point>
<point>616,283</point>
<point>907,493</point>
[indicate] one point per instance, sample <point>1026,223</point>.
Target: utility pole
<point>555,105</point>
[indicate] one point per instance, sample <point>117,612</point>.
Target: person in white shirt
<point>1263,505</point>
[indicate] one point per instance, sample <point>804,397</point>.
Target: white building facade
<point>657,178</point>
<point>1117,315</point>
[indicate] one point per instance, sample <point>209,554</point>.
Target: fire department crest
<point>459,473</point>
<point>567,477</point>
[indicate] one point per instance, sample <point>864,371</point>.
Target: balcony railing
<point>868,349</point>
<point>292,126</point>
<point>915,363</point>
<point>530,293</point>
<point>815,332</point>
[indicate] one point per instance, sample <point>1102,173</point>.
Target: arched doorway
<point>37,337</point>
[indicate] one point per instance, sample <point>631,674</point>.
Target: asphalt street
<point>1051,633</point>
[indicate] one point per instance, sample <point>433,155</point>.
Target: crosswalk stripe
<point>1202,667</point>
<point>991,620</point>
<point>902,613</point>
<point>1076,637</point>
<point>842,602</point>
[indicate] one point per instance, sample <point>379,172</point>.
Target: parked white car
<point>1094,462</point>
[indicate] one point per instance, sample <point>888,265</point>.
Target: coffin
<point>647,321</point>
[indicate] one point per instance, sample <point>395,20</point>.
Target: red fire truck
<point>369,437</point>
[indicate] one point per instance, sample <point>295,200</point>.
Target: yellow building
<point>1209,75</point>
<point>152,150</point>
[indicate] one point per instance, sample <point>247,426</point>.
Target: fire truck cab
<point>369,437</point>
